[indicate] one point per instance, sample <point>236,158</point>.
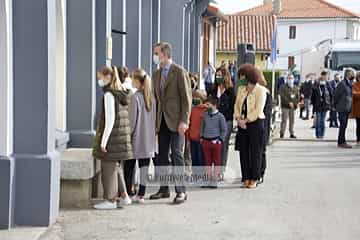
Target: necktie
<point>162,80</point>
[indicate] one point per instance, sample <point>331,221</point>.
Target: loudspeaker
<point>246,53</point>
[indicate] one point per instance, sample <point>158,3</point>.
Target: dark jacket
<point>321,98</point>
<point>332,86</point>
<point>306,89</point>
<point>343,96</point>
<point>289,95</point>
<point>119,145</point>
<point>226,102</point>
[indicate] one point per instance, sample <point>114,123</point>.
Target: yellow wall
<point>220,56</point>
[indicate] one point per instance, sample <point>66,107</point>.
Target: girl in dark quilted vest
<point>112,143</point>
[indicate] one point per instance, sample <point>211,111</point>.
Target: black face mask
<point>352,78</point>
<point>219,80</point>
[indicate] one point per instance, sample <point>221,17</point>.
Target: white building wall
<point>308,34</point>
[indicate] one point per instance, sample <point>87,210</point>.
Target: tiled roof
<point>303,9</point>
<point>245,29</point>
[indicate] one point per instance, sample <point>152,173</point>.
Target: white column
<point>6,116</point>
<point>61,65</point>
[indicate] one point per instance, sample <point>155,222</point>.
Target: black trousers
<point>129,167</point>
<point>170,144</point>
<point>333,119</point>
<point>267,132</point>
<point>358,129</point>
<point>251,144</point>
<point>343,119</point>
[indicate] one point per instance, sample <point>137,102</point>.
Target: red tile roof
<point>245,29</point>
<point>303,9</point>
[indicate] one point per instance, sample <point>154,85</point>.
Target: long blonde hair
<point>144,79</point>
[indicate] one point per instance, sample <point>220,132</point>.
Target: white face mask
<point>156,59</point>
<point>102,83</point>
<point>322,82</point>
<point>290,83</point>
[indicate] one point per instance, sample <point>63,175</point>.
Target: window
<point>291,61</point>
<point>292,32</point>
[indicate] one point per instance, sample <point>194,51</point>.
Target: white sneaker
<point>138,199</point>
<point>105,205</point>
<point>124,201</point>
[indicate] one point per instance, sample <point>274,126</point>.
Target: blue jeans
<point>208,87</point>
<point>343,119</point>
<point>320,124</point>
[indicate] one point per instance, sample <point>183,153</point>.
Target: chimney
<point>277,7</point>
<point>267,2</point>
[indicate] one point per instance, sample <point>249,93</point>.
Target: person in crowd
<point>223,63</point>
<point>187,153</point>
<point>249,114</point>
<point>301,106</point>
<point>321,102</point>
<point>281,81</point>
<point>196,117</point>
<point>289,95</point>
<point>233,71</point>
<point>306,92</point>
<point>223,90</point>
<point>195,83</point>
<point>127,83</point>
<point>333,114</point>
<point>267,127</point>
<point>173,94</point>
<point>315,83</point>
<point>356,106</point>
<point>142,116</point>
<point>208,77</point>
<point>125,79</point>
<point>113,130</point>
<point>343,105</point>
<point>212,135</point>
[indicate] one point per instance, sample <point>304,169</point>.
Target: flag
<point>273,56</point>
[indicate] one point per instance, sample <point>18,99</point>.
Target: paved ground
<point>311,191</point>
<point>22,233</point>
<point>304,131</point>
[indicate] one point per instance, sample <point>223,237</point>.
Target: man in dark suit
<point>333,114</point>
<point>343,105</point>
<point>173,93</point>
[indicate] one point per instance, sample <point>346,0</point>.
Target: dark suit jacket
<point>174,101</point>
<point>343,97</point>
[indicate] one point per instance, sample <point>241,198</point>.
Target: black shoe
<point>180,198</point>
<point>213,186</point>
<point>281,135</point>
<point>160,195</point>
<point>292,136</point>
